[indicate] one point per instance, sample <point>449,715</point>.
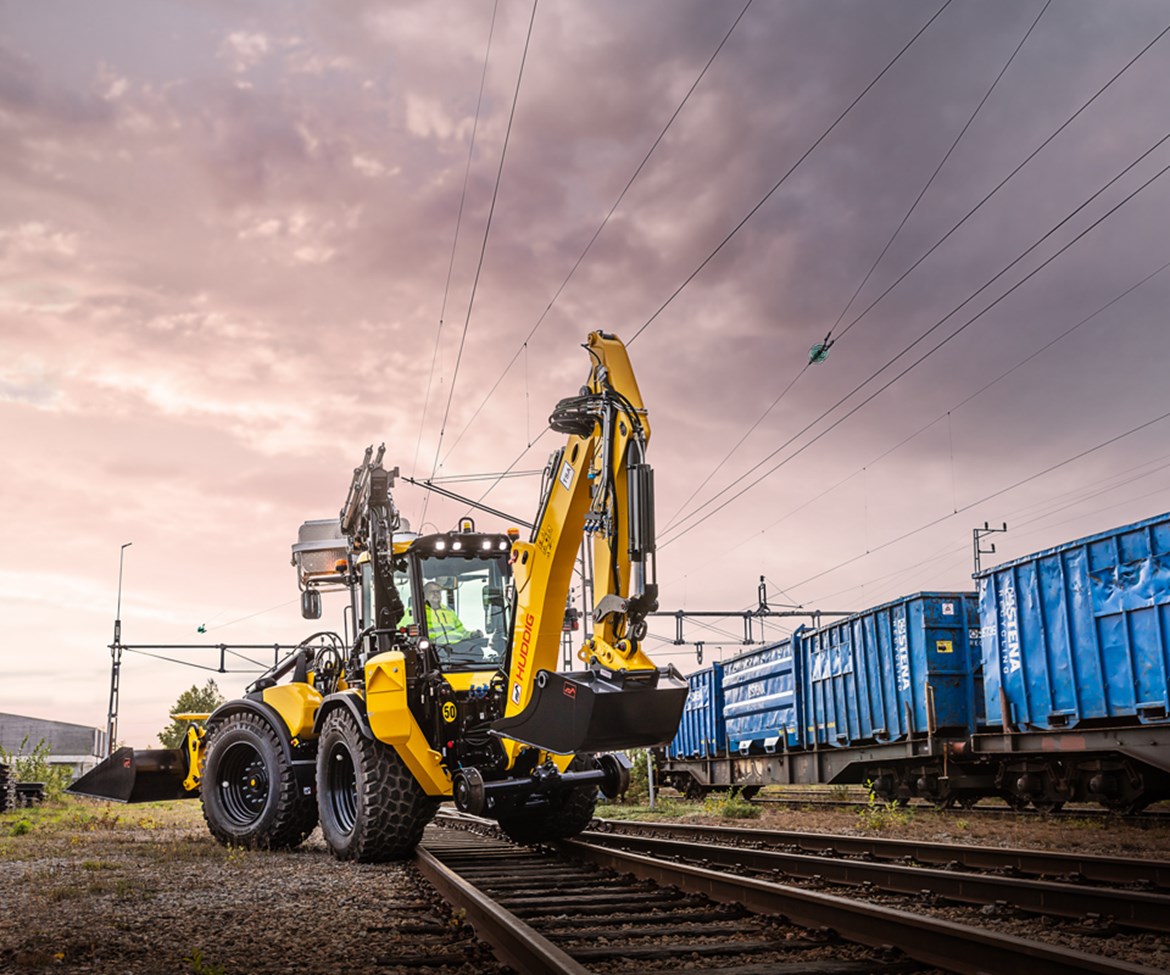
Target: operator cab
<point>457,592</point>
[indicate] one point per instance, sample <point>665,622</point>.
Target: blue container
<point>759,700</point>
<point>905,668</point>
<point>1080,631</point>
<point>700,732</point>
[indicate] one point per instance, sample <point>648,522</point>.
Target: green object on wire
<point>819,352</point>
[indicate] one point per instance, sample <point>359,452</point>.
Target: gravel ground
<point>90,887</point>
<point>145,889</point>
<point>1091,834</point>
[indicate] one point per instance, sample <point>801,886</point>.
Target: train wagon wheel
<point>371,808</point>
<point>250,795</point>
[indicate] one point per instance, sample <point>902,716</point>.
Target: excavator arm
<point>600,487</point>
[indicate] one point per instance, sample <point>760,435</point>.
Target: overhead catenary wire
<point>963,550</point>
<point>259,612</point>
<point>597,233</point>
<point>780,182</point>
<point>455,240</point>
<point>928,332</point>
<point>828,340</point>
<point>989,497</point>
<point>934,175</point>
<point>964,219</point>
<point>1032,155</point>
<point>467,478</point>
<point>978,392</point>
<point>483,246</point>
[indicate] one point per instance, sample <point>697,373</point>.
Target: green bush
<point>639,790</point>
<point>34,766</point>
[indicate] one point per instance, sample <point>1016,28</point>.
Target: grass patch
<point>1086,823</point>
<point>877,815</point>
<point>202,966</point>
<point>74,815</point>
<point>730,805</point>
<point>95,865</point>
<point>664,808</point>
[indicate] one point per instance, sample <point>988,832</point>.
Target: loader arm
<point>599,486</point>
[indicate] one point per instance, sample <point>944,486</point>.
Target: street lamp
<point>115,661</point>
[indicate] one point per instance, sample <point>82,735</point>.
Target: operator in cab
<point>457,645</point>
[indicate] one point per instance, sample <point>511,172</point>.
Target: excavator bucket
<point>587,711</point>
<point>149,775</point>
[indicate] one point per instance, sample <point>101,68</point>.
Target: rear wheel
<point>371,808</point>
<point>250,795</point>
<point>566,814</point>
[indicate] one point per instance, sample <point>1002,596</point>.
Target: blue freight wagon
<point>908,667</point>
<point>1074,650</point>
<point>759,700</point>
<point>1080,632</point>
<point>701,732</point>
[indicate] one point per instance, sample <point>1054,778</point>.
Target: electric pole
<point>115,661</point>
<point>978,534</point>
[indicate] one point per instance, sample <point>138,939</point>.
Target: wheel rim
<point>243,784</point>
<point>341,788</point>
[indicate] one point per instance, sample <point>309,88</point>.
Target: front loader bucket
<point>149,775</point>
<point>584,711</point>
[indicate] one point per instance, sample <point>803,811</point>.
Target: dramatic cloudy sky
<point>226,232</point>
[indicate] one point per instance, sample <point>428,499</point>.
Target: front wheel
<point>250,795</point>
<point>371,808</point>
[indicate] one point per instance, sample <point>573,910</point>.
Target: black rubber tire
<point>566,815</point>
<point>371,807</point>
<point>250,794</point>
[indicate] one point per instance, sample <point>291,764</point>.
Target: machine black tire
<point>371,807</point>
<point>250,795</point>
<point>566,815</point>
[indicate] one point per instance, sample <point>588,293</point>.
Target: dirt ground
<point>145,889</point>
<point>91,887</point>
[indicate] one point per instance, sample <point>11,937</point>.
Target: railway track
<point>590,906</point>
<point>1074,867</point>
<point>971,875</point>
<point>859,801</point>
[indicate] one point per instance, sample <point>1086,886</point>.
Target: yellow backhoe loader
<point>449,689</point>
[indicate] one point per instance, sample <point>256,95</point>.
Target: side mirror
<point>311,604</point>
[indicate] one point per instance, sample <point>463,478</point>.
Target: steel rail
<point>1132,909</point>
<point>515,943</point>
<point>1040,863</point>
<point>1144,817</point>
<point>944,944</point>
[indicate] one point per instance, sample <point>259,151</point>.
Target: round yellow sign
<point>449,712</point>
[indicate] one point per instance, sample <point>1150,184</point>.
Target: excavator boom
<point>599,479</point>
